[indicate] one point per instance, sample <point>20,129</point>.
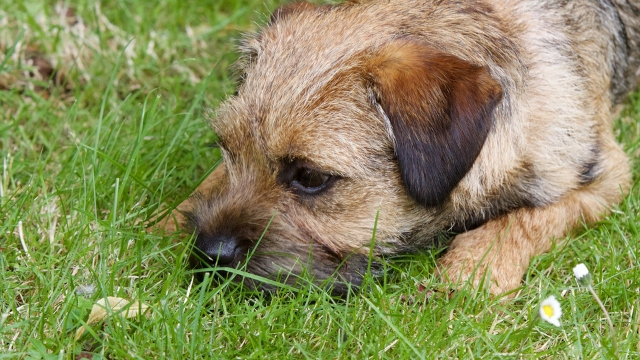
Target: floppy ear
<point>440,108</point>
<point>288,9</point>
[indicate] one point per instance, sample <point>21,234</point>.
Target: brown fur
<point>491,118</point>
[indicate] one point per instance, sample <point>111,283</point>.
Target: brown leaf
<point>104,308</point>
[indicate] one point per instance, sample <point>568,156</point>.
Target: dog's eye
<point>310,181</point>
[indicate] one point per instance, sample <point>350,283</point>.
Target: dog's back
<point>624,17</point>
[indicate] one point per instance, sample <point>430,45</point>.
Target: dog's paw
<point>485,257</point>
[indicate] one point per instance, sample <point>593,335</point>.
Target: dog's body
<point>491,118</point>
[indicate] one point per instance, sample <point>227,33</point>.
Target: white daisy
<point>550,310</point>
<point>582,274</point>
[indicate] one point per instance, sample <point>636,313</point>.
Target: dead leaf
<point>103,308</point>
<point>84,355</point>
<point>42,65</point>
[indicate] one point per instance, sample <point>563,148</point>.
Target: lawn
<point>104,124</point>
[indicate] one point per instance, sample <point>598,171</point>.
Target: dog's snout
<point>220,250</point>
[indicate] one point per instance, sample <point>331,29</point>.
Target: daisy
<point>550,310</point>
<point>584,279</point>
<point>582,274</point>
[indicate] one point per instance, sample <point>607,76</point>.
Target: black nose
<point>220,250</point>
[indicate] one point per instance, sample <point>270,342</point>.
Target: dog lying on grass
<point>490,119</point>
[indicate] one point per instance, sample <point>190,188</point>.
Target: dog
<point>368,129</point>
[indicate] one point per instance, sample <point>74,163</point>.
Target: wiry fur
<point>487,117</point>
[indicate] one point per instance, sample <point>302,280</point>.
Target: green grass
<point>121,134</point>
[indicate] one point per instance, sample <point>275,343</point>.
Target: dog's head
<point>343,137</point>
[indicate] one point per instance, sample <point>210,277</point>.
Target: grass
<point>91,151</point>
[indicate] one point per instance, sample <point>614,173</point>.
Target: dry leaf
<point>112,305</point>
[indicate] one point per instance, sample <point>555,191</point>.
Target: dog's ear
<point>288,9</point>
<point>440,108</point>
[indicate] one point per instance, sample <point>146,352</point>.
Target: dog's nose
<point>220,250</point>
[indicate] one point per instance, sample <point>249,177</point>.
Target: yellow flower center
<point>548,310</point>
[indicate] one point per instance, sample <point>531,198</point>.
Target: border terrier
<point>375,127</point>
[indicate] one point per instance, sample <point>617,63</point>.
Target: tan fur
<point>489,118</point>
